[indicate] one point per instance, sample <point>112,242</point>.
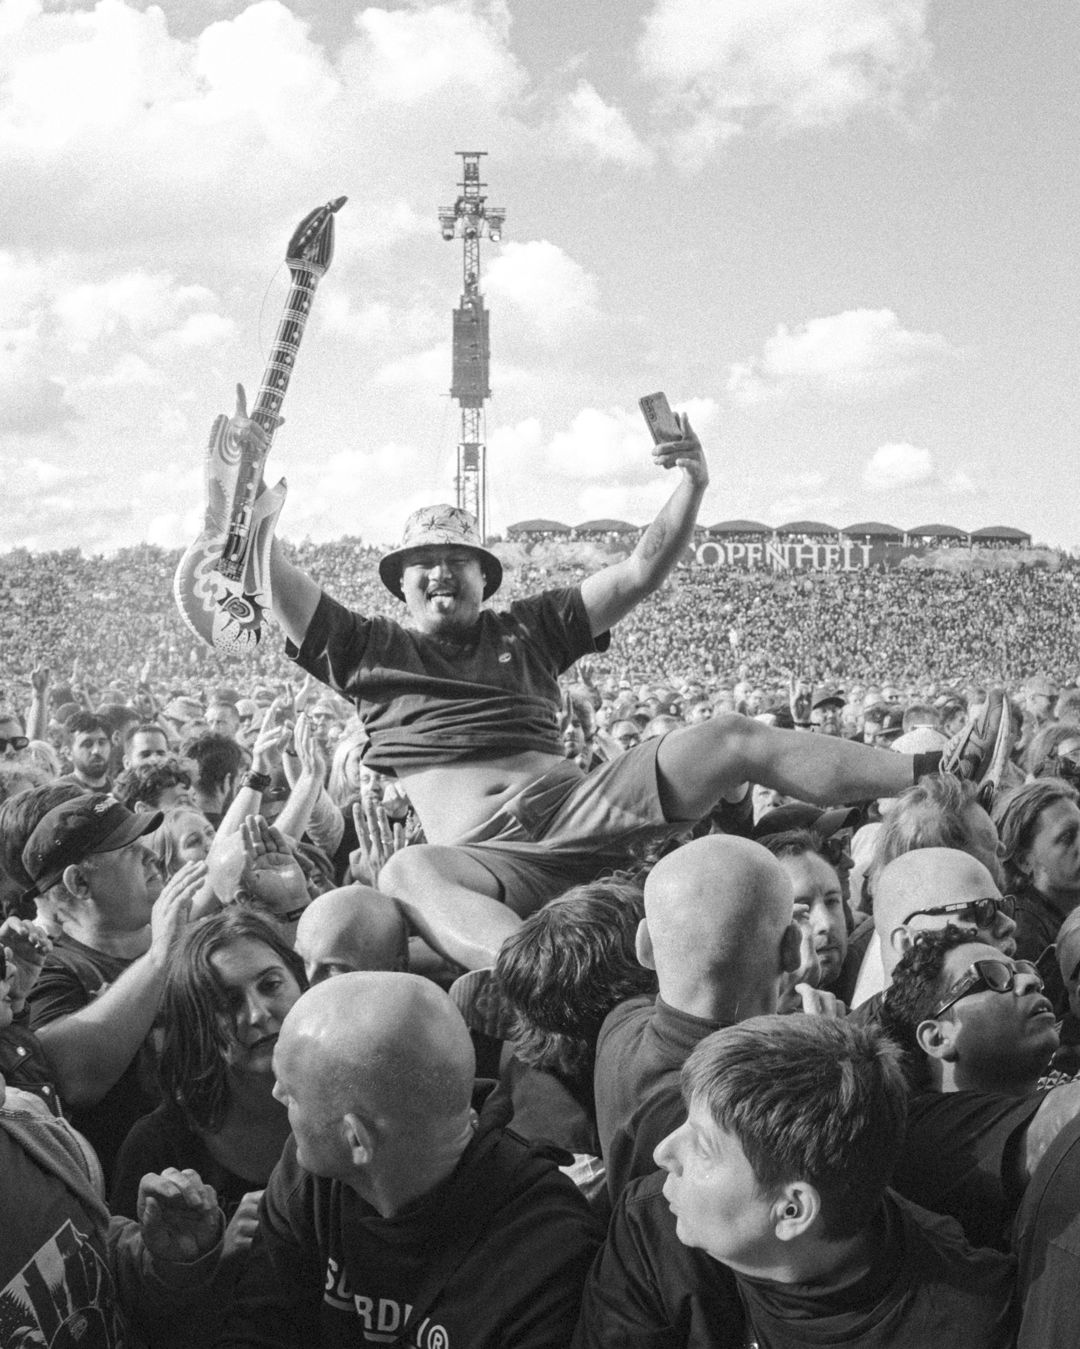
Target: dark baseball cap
<point>73,830</point>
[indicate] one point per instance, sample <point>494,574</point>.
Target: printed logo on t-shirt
<point>63,1297</point>
<point>385,1320</point>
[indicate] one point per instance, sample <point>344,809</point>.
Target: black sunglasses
<point>15,741</point>
<point>992,976</point>
<point>983,911</point>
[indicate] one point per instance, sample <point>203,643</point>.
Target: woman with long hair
<point>227,990</point>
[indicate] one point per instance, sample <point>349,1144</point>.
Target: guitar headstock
<point>312,243</point>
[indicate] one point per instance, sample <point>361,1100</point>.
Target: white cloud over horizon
<point>860,353</point>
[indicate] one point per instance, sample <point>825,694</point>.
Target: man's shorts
<point>569,827</point>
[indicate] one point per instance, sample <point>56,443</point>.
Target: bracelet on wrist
<point>258,782</point>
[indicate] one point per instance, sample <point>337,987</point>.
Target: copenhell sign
<point>801,552</point>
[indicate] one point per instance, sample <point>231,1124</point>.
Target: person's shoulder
<point>969,1110</point>
<point>937,1251</point>
<point>625,1021</point>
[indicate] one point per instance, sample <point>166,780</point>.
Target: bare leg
<point>697,764</point>
<point>452,901</point>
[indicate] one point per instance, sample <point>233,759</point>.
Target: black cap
<point>73,830</point>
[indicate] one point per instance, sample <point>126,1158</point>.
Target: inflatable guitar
<point>222,583</point>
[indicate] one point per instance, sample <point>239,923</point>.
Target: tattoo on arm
<point>653,540</point>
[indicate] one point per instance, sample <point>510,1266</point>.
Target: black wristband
<point>258,782</point>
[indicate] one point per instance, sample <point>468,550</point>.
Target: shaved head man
<point>349,929</point>
<point>393,1203</point>
<point>932,887</point>
<point>376,1072</point>
<point>719,932</point>
<point>718,928</point>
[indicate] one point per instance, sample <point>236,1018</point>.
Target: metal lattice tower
<point>469,219</point>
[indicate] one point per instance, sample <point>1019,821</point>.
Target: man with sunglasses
<point>928,889</point>
<point>13,742</point>
<point>979,1032</point>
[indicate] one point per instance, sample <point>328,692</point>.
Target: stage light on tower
<point>471,218</point>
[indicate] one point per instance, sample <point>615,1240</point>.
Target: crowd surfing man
<point>463,707</point>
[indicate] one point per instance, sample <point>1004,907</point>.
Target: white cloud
<point>900,467</point>
<point>555,296</point>
<point>859,353</point>
<point>141,304</point>
<point>588,123</point>
<point>723,67</point>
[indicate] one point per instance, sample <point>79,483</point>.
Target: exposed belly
<point>451,799</point>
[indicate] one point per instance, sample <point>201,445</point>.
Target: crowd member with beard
<point>91,747</point>
<point>1039,825</point>
<point>819,903</point>
<point>770,1222</point>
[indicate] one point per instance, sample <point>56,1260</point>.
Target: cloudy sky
<point>841,233</point>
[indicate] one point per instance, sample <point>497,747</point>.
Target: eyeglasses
<point>992,976</point>
<point>15,741</point>
<point>983,911</point>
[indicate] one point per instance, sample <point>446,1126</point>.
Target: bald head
<point>349,929</point>
<point>718,913</point>
<point>932,878</point>
<point>391,1047</point>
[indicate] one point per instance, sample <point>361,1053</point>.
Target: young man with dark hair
<point>157,785</point>
<point>217,762</point>
<point>771,1223</point>
<point>91,747</point>
<point>979,1033</point>
<point>145,743</point>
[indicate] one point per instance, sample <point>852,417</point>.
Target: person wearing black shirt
<point>772,1225</point>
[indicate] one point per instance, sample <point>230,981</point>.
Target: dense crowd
<point>979,623</point>
<point>284,1069</point>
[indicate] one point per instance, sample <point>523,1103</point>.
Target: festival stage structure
<point>469,219</point>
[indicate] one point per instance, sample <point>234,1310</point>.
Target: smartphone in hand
<point>659,418</point>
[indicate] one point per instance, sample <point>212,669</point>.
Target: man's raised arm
<point>294,596</point>
<point>610,594</point>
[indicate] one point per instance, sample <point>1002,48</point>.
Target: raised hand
<point>273,873</point>
<point>178,1214</point>
<point>25,948</point>
<point>273,735</point>
<point>172,909</point>
<point>378,838</point>
<point>242,1226</point>
<point>685,453</point>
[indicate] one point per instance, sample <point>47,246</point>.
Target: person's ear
<point>795,1210</point>
<point>643,947</point>
<point>791,948</point>
<point>359,1139</point>
<point>75,881</point>
<point>936,1039</point>
<point>901,940</point>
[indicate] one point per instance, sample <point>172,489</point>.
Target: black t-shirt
<point>926,1288</point>
<point>427,701</point>
<point>960,1157</point>
<point>73,975</point>
<point>164,1138</point>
